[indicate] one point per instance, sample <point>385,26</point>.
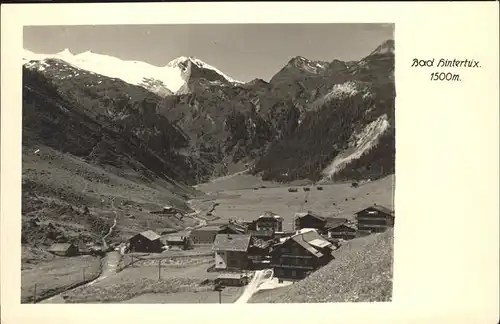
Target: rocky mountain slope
<point>314,119</point>
<point>95,151</point>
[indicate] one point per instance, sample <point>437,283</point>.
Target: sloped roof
<point>150,235</point>
<point>300,240</point>
<point>209,228</point>
<point>60,247</point>
<point>269,214</point>
<point>232,242</point>
<point>175,238</point>
<point>379,208</point>
<point>341,226</point>
<point>332,222</point>
<point>309,213</point>
<point>313,238</point>
<point>234,227</point>
<point>319,243</point>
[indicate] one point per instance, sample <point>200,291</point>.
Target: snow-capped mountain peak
<point>384,48</point>
<point>308,65</point>
<point>182,61</point>
<point>65,52</point>
<point>168,79</point>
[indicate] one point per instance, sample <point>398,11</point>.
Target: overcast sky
<point>243,52</point>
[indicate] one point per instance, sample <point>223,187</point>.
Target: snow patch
<point>174,75</point>
<point>362,143</point>
<point>342,90</point>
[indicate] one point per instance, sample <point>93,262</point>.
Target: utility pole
<point>159,269</point>
<point>34,296</point>
<point>219,288</point>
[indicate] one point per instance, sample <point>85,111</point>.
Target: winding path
<point>201,222</point>
<point>104,244</point>
<point>252,287</point>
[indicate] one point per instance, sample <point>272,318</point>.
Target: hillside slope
<point>346,128</point>
<point>360,272</point>
<point>82,169</point>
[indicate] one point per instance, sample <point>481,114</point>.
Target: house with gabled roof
<point>339,229</point>
<point>309,220</point>
<point>375,219</point>
<point>63,249</point>
<point>301,254</point>
<point>269,221</point>
<point>342,232</point>
<point>231,251</point>
<point>146,242</point>
<point>180,239</point>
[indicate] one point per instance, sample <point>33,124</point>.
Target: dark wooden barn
<point>375,219</point>
<point>309,220</point>
<point>146,242</point>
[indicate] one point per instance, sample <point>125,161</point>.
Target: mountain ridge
<point>163,81</point>
<point>225,123</point>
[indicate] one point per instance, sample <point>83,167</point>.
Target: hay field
<point>245,203</point>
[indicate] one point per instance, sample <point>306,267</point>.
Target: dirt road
<point>201,222</point>
<point>252,287</point>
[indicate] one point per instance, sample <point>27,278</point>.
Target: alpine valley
<point>104,137</point>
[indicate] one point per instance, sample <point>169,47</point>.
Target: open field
<point>58,275</point>
<point>360,272</point>
<point>176,276</point>
<point>248,204</point>
<point>241,181</point>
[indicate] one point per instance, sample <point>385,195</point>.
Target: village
<point>244,253</point>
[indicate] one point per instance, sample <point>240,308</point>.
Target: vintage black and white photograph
<point>208,163</point>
